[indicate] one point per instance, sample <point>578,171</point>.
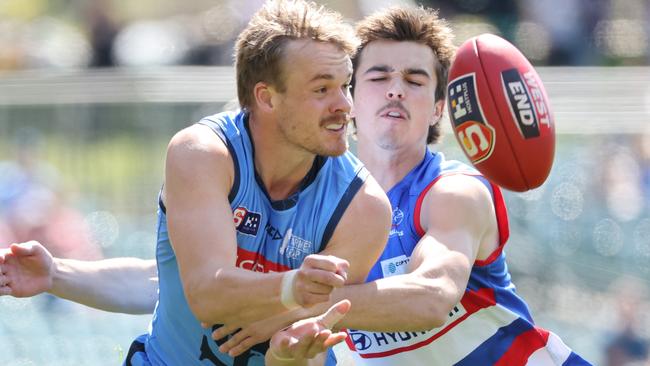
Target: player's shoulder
<point>196,141</point>
<point>361,234</point>
<point>208,135</point>
<point>457,200</point>
<point>371,204</point>
<point>459,187</point>
<point>196,151</point>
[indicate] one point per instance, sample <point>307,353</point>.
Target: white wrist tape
<point>279,358</point>
<point>286,293</point>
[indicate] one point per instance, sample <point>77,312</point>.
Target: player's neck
<point>389,166</point>
<point>281,166</point>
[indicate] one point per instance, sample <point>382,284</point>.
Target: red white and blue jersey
<point>271,236</point>
<point>491,325</point>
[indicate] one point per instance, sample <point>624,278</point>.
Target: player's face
<point>314,108</point>
<point>394,94</point>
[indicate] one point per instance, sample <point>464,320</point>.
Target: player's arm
<point>123,285</point>
<point>457,216</point>
<point>198,178</point>
<point>362,232</point>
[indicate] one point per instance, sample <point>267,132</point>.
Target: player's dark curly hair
<point>417,24</point>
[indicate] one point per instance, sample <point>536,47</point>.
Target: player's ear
<point>439,108</point>
<point>263,94</point>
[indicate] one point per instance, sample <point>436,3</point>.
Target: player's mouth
<point>335,127</point>
<point>395,113</point>
<point>335,123</point>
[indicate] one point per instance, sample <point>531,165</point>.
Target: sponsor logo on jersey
<point>294,247</point>
<point>383,341</point>
<point>526,102</point>
<point>361,340</point>
<point>257,262</point>
<point>246,222</point>
<point>273,232</point>
<point>381,344</point>
<point>394,266</point>
<point>474,133</point>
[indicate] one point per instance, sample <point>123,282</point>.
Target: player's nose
<point>395,91</point>
<point>343,102</point>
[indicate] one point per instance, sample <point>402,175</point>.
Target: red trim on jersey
<point>499,210</point>
<point>253,261</point>
<point>523,346</point>
<point>502,224</point>
<point>472,301</point>
<point>418,206</point>
<point>418,203</point>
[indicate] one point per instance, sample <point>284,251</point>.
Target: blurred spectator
<point>626,347</point>
<point>569,24</point>
<point>641,148</point>
<point>503,14</point>
<point>31,204</point>
<point>621,179</point>
<point>102,30</point>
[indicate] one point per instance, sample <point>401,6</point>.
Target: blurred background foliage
<point>92,91</point>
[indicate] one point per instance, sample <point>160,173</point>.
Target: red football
<point>500,113</point>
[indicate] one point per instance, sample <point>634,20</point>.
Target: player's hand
<point>26,269</point>
<point>317,277</point>
<point>249,335</point>
<point>306,338</point>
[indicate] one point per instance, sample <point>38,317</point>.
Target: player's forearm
<point>123,285</point>
<point>399,303</point>
<point>234,296</point>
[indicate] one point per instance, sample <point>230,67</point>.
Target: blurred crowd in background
<point>104,33</point>
<point>83,178</point>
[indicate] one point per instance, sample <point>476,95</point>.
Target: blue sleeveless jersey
<point>491,325</point>
<point>271,236</point>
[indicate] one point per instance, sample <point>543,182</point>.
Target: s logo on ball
<point>474,134</point>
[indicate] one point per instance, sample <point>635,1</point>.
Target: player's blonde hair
<point>417,24</point>
<point>260,47</point>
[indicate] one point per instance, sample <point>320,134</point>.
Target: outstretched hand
<point>307,338</point>
<point>26,269</point>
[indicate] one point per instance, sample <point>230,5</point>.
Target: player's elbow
<point>435,316</point>
<point>432,315</point>
<point>207,309</point>
<point>208,312</point>
<point>440,306</point>
<point>198,307</point>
